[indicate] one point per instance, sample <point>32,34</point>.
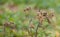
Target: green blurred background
<point>12,11</point>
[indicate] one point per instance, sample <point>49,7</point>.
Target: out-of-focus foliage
<point>22,22</point>
<point>3,2</point>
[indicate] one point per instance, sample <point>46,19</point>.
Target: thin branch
<point>30,28</point>
<point>37,29</point>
